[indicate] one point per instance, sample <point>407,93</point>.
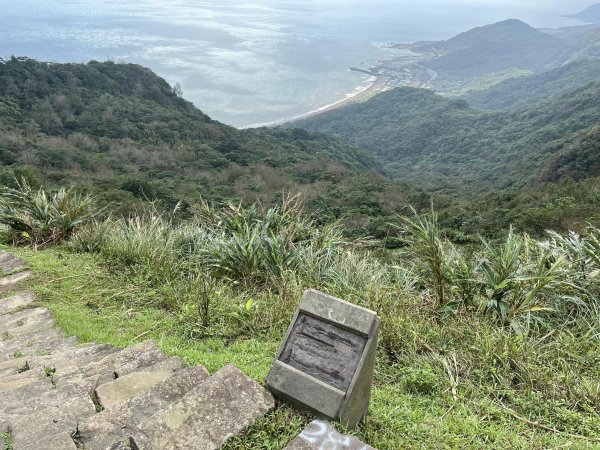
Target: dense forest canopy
<point>124,133</point>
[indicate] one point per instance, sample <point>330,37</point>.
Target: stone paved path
<point>57,394</point>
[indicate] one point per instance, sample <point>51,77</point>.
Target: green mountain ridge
<point>422,136</point>
<point>69,124</point>
<point>544,86</point>
<point>120,130</point>
<point>504,45</point>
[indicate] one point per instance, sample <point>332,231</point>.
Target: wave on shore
<point>372,83</point>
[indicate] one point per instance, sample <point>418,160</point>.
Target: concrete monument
<point>325,363</point>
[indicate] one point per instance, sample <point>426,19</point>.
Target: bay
<point>251,62</point>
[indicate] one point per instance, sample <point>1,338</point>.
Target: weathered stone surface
<point>40,343</point>
<point>324,351</point>
<point>9,281</point>
<point>29,432</point>
<point>321,435</point>
<point>11,304</point>
<point>36,388</point>
<point>207,416</point>
<point>123,362</point>
<point>325,363</point>
<point>10,263</point>
<point>25,323</point>
<point>11,366</point>
<point>49,386</point>
<point>123,444</point>
<point>62,364</point>
<point>38,396</point>
<point>110,426</point>
<point>60,441</point>
<point>20,318</point>
<point>120,390</point>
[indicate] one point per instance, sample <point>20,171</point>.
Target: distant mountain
<point>590,14</point>
<point>494,48</point>
<point>425,138</point>
<point>543,86</point>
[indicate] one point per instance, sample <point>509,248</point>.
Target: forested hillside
<point>423,136</point>
<point>543,86</point>
<point>493,48</point>
<point>122,131</point>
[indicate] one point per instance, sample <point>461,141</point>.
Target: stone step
<point>63,361</point>
<point>47,376</point>
<point>32,431</point>
<point>320,434</point>
<point>16,302</point>
<point>60,441</point>
<point>115,424</point>
<point>123,362</point>
<point>24,323</point>
<point>218,409</point>
<point>39,343</point>
<point>8,282</point>
<point>10,263</point>
<point>34,386</point>
<point>111,394</point>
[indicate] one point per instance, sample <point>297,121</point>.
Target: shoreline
<point>377,86</point>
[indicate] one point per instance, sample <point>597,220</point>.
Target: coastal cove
<point>248,64</point>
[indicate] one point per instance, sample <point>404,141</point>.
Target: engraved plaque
<point>327,352</point>
<point>325,363</point>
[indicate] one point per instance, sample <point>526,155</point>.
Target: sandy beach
<point>378,86</point>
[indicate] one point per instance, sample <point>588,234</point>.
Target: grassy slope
<point>412,404</point>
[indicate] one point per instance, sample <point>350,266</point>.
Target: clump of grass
<point>40,218</point>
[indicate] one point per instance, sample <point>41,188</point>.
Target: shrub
<point>40,218</point>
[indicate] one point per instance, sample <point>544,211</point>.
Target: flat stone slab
<point>62,441</point>
<point>9,281</point>
<point>11,304</point>
<point>40,343</point>
<point>116,424</point>
<point>321,435</point>
<point>206,417</point>
<point>120,390</point>
<point>10,263</point>
<point>24,323</point>
<point>29,432</point>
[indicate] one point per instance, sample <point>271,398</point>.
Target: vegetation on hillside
<point>122,133</point>
<point>423,136</point>
<point>490,345</point>
<point>493,48</point>
<point>526,90</point>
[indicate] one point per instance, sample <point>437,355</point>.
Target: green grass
<point>6,441</point>
<point>443,382</point>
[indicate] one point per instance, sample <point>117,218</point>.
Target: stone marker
<point>325,363</point>
<point>320,434</point>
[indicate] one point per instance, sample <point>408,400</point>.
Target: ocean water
<point>251,62</point>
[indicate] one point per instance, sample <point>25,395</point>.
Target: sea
<point>249,63</point>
